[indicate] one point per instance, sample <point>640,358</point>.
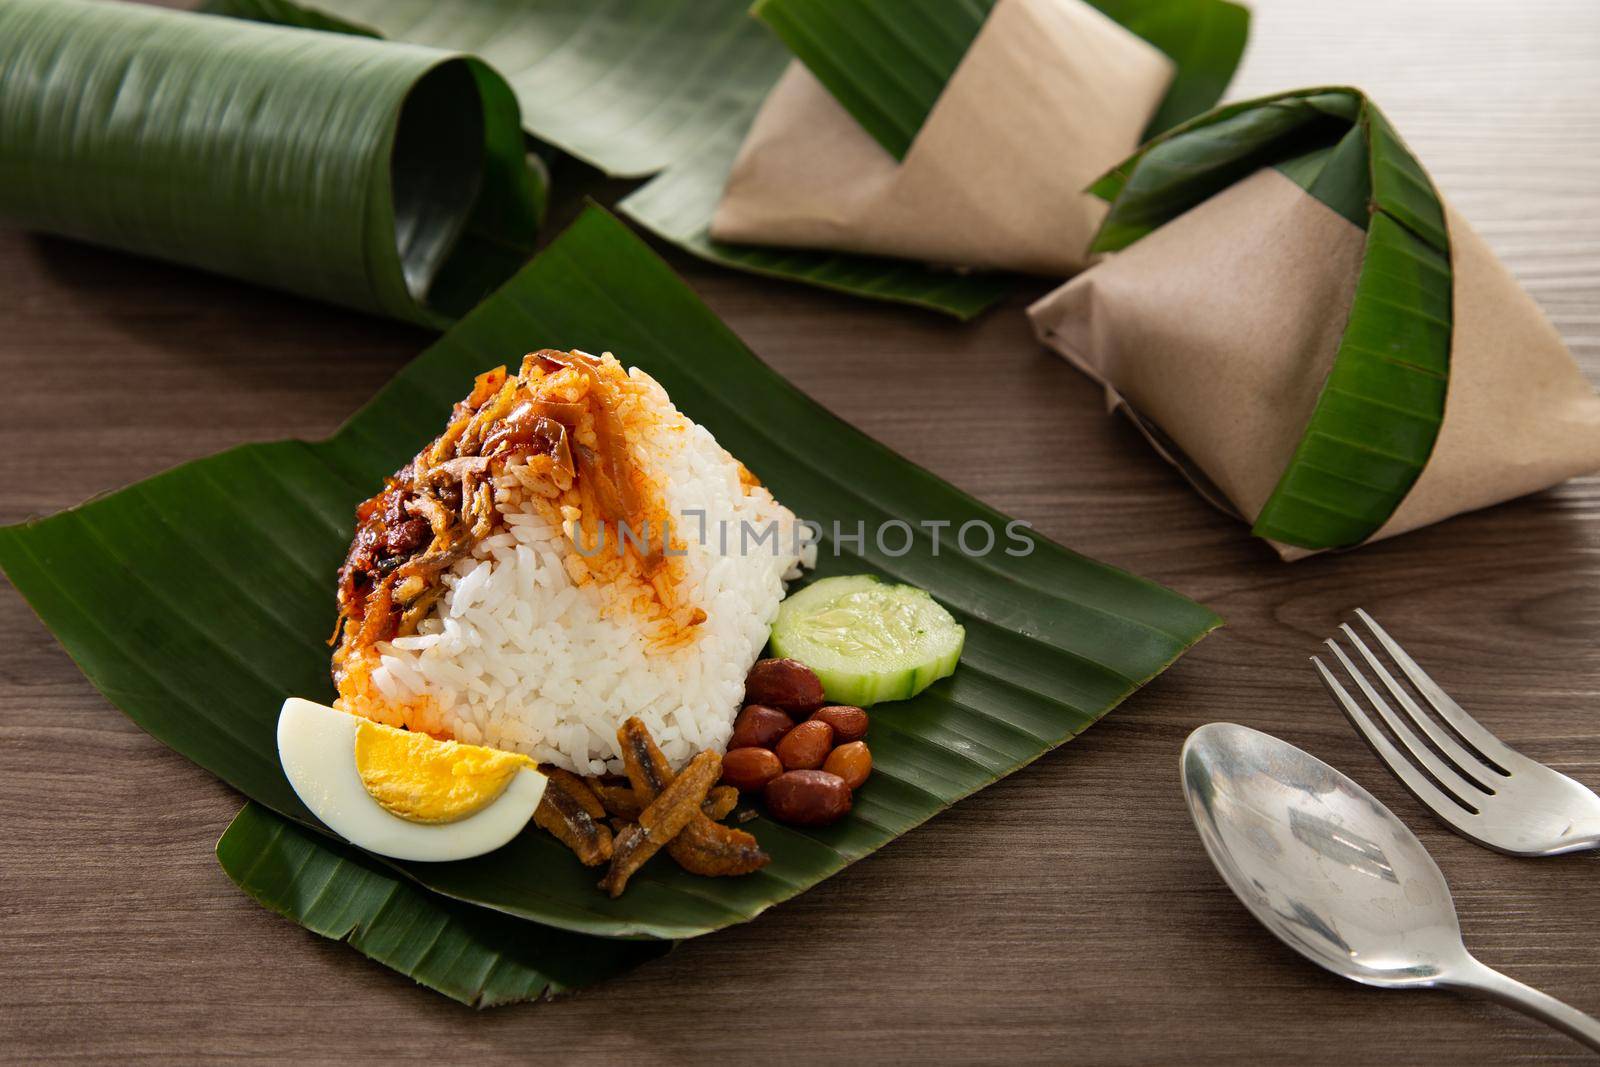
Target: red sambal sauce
<point>430,511</point>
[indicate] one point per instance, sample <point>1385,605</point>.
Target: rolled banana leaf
<point>1379,412</point>
<point>637,88</point>
<point>388,178</point>
<point>887,61</point>
<point>628,86</point>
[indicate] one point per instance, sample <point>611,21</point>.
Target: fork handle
<point>1479,978</point>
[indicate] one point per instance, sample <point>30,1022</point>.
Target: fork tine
<point>1466,761</point>
<point>1442,772</point>
<point>1431,796</point>
<point>1491,747</point>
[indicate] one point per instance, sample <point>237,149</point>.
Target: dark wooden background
<point>1067,913</point>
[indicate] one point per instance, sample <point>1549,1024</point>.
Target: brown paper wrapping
<point>1221,326</point>
<point>1049,96</point>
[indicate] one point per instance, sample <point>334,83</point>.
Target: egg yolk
<point>423,780</point>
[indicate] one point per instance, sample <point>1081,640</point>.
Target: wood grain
<point>1067,913</point>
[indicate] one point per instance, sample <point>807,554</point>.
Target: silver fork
<point>1484,789</point>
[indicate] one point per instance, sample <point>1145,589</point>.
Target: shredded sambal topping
<point>561,427</point>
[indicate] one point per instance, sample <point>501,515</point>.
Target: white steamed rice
<point>518,657</point>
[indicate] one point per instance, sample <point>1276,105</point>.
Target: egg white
<point>317,747</point>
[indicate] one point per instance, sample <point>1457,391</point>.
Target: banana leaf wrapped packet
<point>1298,320</point>
<point>1046,96</point>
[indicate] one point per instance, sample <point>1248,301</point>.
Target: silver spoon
<point>1333,873</point>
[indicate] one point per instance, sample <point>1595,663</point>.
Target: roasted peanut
<point>759,726</point>
<point>852,762</point>
<point>783,683</point>
<point>806,746</point>
<point>849,724</point>
<point>749,769</point>
<point>807,798</point>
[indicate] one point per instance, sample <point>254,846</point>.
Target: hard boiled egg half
<point>403,794</point>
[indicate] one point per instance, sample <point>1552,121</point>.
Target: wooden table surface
<point>1067,913</point>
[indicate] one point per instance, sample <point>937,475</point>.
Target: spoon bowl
<point>1331,871</point>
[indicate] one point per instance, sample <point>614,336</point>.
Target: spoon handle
<point>1480,978</point>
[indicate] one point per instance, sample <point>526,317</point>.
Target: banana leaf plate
<point>197,600</point>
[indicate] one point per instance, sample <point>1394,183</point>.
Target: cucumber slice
<point>868,640</point>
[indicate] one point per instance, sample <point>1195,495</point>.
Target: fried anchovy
<point>662,819</point>
<point>617,797</point>
<point>563,811</point>
<point>704,847</point>
<point>579,790</point>
<point>713,850</point>
<point>719,802</point>
<point>647,768</point>
<point>623,808</point>
<point>707,848</point>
